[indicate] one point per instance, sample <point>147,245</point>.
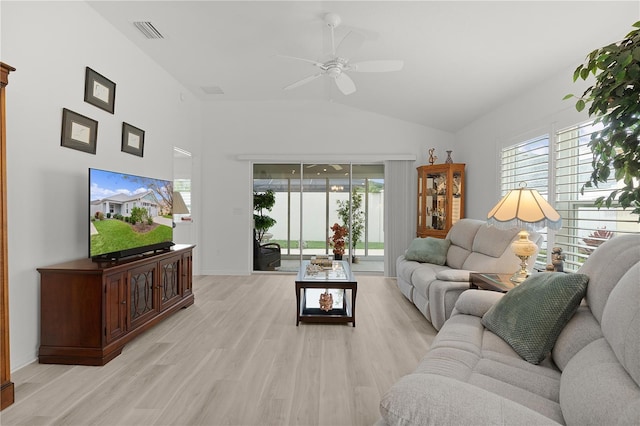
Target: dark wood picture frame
<point>78,132</point>
<point>132,139</point>
<point>99,91</point>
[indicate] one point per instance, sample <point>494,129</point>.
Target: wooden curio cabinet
<point>7,393</point>
<point>440,198</point>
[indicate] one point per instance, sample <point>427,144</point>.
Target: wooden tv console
<point>90,310</point>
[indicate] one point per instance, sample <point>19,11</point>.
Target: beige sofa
<point>475,247</point>
<point>591,376</point>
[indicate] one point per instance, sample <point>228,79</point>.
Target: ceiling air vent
<point>148,30</point>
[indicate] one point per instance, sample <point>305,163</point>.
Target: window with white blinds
<point>559,178</point>
<point>528,162</point>
<point>584,227</point>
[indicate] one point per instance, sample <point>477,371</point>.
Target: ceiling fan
<point>338,65</point>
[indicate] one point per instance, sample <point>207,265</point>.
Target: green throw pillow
<point>428,250</point>
<point>531,316</point>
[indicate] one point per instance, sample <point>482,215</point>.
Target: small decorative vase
<point>337,257</point>
<point>449,160</point>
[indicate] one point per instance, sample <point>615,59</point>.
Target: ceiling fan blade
<point>303,81</point>
<point>345,84</point>
<point>350,44</point>
<point>376,66</point>
<point>311,61</point>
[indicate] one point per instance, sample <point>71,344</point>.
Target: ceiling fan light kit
<point>339,65</point>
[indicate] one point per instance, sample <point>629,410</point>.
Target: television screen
<point>128,214</point>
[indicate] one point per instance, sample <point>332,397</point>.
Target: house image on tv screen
<point>122,204</point>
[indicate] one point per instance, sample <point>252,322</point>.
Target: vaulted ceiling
<point>461,58</point>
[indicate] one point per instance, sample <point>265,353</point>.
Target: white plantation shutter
<point>584,227</point>
<point>528,162</point>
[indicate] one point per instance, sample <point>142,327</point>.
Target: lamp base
<point>523,273</point>
<point>519,277</point>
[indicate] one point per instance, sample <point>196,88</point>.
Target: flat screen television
<point>128,215</point>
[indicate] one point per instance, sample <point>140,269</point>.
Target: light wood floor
<point>236,357</point>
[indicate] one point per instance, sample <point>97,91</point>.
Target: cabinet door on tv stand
<point>115,306</point>
<point>187,274</point>
<point>143,303</point>
<point>170,271</point>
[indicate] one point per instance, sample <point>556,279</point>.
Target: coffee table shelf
<point>338,277</point>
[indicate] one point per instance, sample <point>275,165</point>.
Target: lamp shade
<point>524,208</point>
<point>179,206</point>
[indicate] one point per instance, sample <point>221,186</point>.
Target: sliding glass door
<point>310,199</point>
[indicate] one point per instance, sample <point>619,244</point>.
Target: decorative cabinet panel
<point>143,303</point>
<point>170,279</point>
<point>440,198</point>
<point>115,306</point>
<point>90,310</point>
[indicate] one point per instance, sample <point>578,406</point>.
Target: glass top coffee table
<point>334,283</point>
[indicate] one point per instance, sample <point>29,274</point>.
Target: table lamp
<point>523,208</point>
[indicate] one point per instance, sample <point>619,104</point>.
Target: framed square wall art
<point>132,140</point>
<point>78,132</point>
<point>99,91</point>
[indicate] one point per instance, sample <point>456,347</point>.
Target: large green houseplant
<point>353,207</point>
<point>614,101</point>
<point>263,202</point>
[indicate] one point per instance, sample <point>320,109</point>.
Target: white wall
<point>302,130</point>
<point>50,44</point>
<point>537,111</point>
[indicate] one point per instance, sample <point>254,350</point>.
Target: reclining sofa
<point>591,375</point>
<point>474,247</point>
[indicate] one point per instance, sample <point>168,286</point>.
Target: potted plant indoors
<point>263,202</point>
<point>352,209</point>
<point>337,240</point>
<point>613,101</point>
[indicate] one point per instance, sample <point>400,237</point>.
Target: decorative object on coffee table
<point>523,208</point>
<point>326,301</point>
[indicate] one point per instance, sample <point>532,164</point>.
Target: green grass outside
<point>322,244</point>
<point>122,236</point>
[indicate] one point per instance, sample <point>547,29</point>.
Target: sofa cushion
<point>621,321</point>
<point>428,250</point>
<point>461,236</point>
<point>595,389</point>
<point>429,399</point>
<point>493,241</point>
<point>531,316</point>
<point>606,266</point>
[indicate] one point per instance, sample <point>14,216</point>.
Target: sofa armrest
<point>476,302</point>
<point>429,399</point>
<point>457,275</point>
